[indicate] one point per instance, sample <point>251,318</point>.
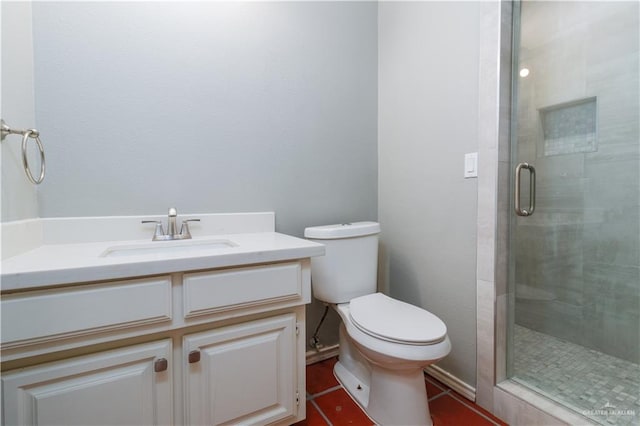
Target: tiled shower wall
<point>578,257</point>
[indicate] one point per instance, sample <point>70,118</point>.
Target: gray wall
<point>18,194</point>
<point>219,107</point>
<point>210,107</point>
<point>428,101</point>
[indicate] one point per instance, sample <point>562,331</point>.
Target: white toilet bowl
<point>384,343</point>
<point>384,346</point>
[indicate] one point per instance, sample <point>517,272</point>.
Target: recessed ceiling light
<point>524,72</point>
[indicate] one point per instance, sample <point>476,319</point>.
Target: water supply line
<point>314,342</point>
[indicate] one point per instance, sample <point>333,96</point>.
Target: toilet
<point>384,343</point>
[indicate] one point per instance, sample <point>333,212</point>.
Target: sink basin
<point>167,248</point>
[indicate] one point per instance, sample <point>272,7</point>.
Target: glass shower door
<point>575,228</point>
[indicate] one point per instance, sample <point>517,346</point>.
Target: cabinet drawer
<point>209,292</point>
<point>76,311</point>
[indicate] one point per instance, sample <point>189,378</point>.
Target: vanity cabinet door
<point>242,374</point>
<point>127,386</point>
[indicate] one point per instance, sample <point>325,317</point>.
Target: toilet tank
<point>349,267</point>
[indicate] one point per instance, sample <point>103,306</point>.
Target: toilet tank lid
<point>342,230</point>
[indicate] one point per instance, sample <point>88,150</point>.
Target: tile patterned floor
<point>329,404</point>
<point>599,386</point>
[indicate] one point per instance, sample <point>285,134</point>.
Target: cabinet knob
<point>161,364</point>
<point>194,356</point>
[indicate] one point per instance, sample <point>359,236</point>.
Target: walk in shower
<point>574,272</point>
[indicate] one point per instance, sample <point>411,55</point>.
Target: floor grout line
<point>443,393</point>
<point>438,385</point>
<point>471,407</point>
<point>326,391</point>
<point>450,392</point>
<point>315,404</point>
<point>429,398</point>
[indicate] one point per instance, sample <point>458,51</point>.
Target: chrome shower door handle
<point>532,190</point>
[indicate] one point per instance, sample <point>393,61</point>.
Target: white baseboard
<point>452,381</point>
<point>314,356</point>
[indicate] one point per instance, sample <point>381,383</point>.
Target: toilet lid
<point>396,321</point>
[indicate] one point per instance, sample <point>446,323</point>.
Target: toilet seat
<point>396,353</point>
<point>389,319</point>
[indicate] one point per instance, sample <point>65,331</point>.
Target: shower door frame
<point>494,391</point>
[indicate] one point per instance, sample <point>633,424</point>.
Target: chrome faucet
<point>171,222</point>
<point>172,233</point>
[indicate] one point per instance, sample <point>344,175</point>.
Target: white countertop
<point>55,264</point>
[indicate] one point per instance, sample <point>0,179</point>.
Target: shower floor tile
<point>599,386</point>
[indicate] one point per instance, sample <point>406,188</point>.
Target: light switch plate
<point>471,165</point>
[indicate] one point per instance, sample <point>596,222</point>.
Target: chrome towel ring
<point>26,134</point>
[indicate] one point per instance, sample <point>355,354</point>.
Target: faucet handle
<point>159,232</point>
<point>184,229</point>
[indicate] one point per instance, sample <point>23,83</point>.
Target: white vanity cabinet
<point>219,346</point>
<point>128,386</point>
<point>242,374</point>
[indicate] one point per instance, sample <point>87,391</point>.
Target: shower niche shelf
<point>570,127</point>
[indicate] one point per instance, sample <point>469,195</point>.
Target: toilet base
<point>398,397</point>
<point>388,397</point>
<point>356,389</point>
<point>395,398</point>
